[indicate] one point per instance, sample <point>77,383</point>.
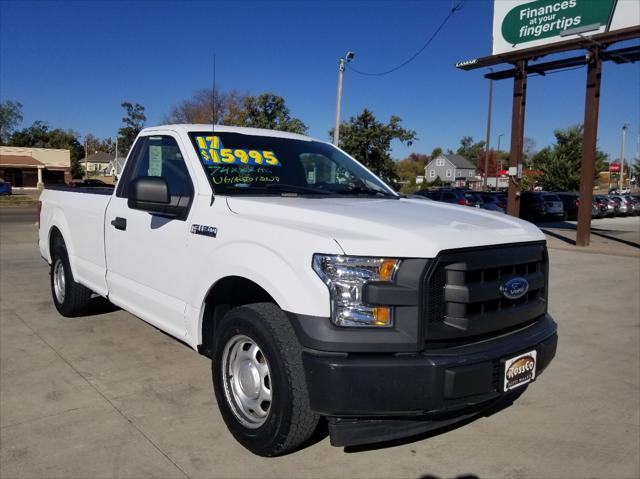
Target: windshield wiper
<point>367,191</point>
<point>296,188</point>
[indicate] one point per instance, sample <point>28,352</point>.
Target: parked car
<point>90,183</point>
<point>634,204</point>
<point>595,209</point>
<point>606,205</point>
<point>541,205</point>
<point>625,207</point>
<point>493,202</point>
<point>5,188</point>
<point>602,206</point>
<point>453,195</point>
<point>570,203</point>
<point>610,204</point>
<point>314,288</point>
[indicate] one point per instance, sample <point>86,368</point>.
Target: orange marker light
<point>382,316</point>
<point>386,269</point>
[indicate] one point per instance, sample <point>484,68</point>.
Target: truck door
<point>145,252</point>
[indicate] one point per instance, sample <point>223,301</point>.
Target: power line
<point>415,55</point>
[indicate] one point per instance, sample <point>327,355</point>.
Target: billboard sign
<point>520,24</point>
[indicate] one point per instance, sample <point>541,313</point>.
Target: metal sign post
<point>517,135</point>
<point>592,104</point>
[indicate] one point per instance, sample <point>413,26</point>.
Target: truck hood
<point>388,227</point>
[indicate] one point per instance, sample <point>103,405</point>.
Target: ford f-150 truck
<point>315,289</point>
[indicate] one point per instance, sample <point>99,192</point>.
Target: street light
<point>624,130</point>
<point>341,66</point>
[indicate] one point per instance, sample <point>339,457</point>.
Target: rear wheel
<point>70,298</point>
<point>259,380</point>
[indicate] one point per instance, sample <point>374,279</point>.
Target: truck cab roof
<point>198,127</point>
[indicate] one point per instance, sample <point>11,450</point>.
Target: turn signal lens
<point>382,316</point>
<point>386,269</point>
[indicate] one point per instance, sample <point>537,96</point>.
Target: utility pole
<point>342,63</point>
<point>624,130</point>
<point>86,154</point>
<point>116,172</point>
<point>486,155</point>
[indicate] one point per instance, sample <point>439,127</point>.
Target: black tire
<point>289,421</point>
<point>76,297</point>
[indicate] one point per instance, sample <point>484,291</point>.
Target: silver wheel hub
<point>59,281</point>
<point>247,381</point>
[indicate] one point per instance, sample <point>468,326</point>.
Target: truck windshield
<point>238,164</point>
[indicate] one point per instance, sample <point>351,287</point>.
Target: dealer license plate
<point>520,370</point>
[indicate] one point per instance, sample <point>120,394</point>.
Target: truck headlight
<point>345,276</point>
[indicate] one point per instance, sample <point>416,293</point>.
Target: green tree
<point>410,168</point>
<point>133,124</point>
<point>39,135</point>
<point>469,149</point>
<point>10,118</point>
<point>369,141</point>
<point>266,111</point>
<point>435,153</point>
<point>560,163</point>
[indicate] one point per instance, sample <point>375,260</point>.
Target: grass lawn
<point>17,200</point>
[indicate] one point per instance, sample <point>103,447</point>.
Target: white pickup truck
<point>315,289</point>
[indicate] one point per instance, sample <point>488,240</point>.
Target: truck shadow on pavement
<point>99,305</point>
<point>464,476</point>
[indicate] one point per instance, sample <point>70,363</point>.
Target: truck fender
<point>295,289</point>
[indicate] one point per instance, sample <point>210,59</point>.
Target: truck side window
<point>159,156</point>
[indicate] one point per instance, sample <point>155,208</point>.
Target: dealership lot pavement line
<point>124,416</point>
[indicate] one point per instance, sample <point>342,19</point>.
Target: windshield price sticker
<point>212,152</point>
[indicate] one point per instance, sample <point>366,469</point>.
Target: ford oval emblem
<point>514,288</point>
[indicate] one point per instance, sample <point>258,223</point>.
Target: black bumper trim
<point>348,432</point>
<point>370,385</point>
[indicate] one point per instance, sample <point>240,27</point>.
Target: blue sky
<point>73,63</point>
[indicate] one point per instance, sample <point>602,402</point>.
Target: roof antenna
<point>213,118</point>
<point>213,96</point>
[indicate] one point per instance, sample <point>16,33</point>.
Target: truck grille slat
<point>464,300</point>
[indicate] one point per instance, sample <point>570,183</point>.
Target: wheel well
<point>227,294</point>
<point>55,237</point>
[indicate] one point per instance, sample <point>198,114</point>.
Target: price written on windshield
<point>213,152</point>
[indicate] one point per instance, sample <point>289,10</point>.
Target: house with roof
<point>454,170</point>
<point>98,163</point>
<point>27,167</point>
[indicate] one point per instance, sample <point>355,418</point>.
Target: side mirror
<point>151,194</point>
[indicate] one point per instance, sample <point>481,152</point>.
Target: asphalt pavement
<point>108,395</point>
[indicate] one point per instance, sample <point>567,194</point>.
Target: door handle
<point>119,223</point>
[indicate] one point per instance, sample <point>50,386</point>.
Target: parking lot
<point>109,396</point>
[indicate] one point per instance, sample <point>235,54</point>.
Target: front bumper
<point>355,389</point>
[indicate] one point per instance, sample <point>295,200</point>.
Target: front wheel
<point>259,380</point>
